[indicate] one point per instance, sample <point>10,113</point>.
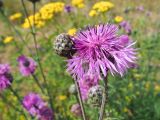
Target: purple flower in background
<point>140,8</point>
<point>27,65</point>
<point>86,83</point>
<point>5,76</point>
<point>46,113</point>
<point>68,8</point>
<point>76,110</point>
<point>33,103</point>
<point>148,13</point>
<point>126,26</point>
<point>100,49</point>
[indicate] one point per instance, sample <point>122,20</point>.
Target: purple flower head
<point>46,113</point>
<point>5,76</point>
<point>86,83</point>
<point>33,103</point>
<point>99,50</point>
<point>76,110</point>
<point>27,65</point>
<point>126,26</point>
<point>68,8</point>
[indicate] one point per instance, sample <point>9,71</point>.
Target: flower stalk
<point>104,99</point>
<point>33,31</point>
<point>37,54</point>
<point>80,99</point>
<point>38,83</point>
<point>18,98</point>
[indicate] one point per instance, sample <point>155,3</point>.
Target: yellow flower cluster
<point>78,3</point>
<point>15,16</point>
<point>72,31</point>
<point>30,20</point>
<point>93,13</point>
<point>62,97</point>
<point>118,19</point>
<point>46,13</point>
<point>48,10</point>
<point>8,39</point>
<point>102,6</point>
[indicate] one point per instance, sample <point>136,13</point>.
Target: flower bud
<point>95,95</point>
<point>72,89</point>
<point>63,45</point>
<point>76,110</point>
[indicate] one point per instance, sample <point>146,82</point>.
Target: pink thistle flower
<point>33,103</point>
<point>5,76</point>
<point>27,66</point>
<point>99,50</point>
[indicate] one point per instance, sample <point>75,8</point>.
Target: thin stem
<point>26,13</point>
<point>38,58</point>
<point>36,47</point>
<point>18,98</point>
<point>33,30</point>
<point>80,99</point>
<point>104,100</point>
<point>16,31</point>
<point>38,83</point>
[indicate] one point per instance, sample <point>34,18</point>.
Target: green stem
<point>18,98</point>
<point>104,100</point>
<point>38,58</point>
<point>80,99</point>
<point>36,48</point>
<point>38,83</point>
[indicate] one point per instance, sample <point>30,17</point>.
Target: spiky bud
<point>76,110</point>
<point>95,95</point>
<point>34,1</point>
<point>63,45</point>
<point>72,89</point>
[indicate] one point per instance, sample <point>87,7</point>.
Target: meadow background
<point>136,96</point>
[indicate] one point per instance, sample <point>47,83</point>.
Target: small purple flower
<point>126,26</point>
<point>5,76</point>
<point>27,65</point>
<point>86,83</point>
<point>68,8</point>
<point>33,103</point>
<point>76,110</point>
<point>148,13</point>
<point>140,8</point>
<point>46,113</point>
<point>99,50</point>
